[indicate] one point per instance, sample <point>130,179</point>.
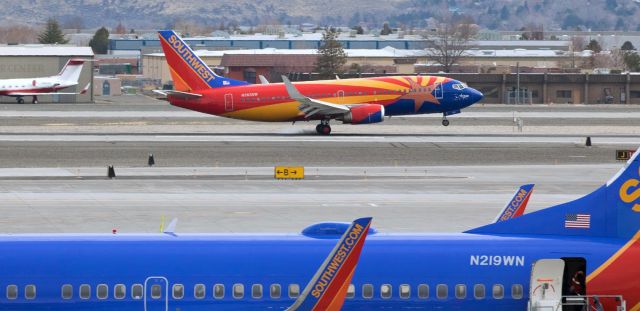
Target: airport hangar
<point>37,60</point>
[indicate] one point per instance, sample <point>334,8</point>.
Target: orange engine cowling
<point>364,114</point>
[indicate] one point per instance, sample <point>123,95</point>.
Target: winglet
<point>263,80</point>
<point>86,88</point>
<point>293,92</point>
<point>518,203</point>
<point>171,228</point>
<point>327,289</point>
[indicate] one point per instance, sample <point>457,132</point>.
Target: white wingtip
<point>171,228</point>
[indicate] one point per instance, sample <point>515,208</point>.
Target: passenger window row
<point>275,291</point>
<point>442,291</point>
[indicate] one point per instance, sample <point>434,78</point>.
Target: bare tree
<point>577,43</point>
<point>74,22</point>
<point>450,41</point>
<point>18,34</point>
<point>120,29</point>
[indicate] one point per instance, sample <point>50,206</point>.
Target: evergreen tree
<point>386,30</point>
<point>594,46</point>
<point>331,58</point>
<point>504,13</point>
<point>632,61</point>
<point>627,46</point>
<point>52,33</point>
<point>100,41</point>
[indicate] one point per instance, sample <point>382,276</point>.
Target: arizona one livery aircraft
<point>354,101</point>
<point>559,258</point>
<point>35,87</point>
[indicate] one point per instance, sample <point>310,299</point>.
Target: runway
<point>215,151</point>
<point>411,174</point>
<point>401,199</point>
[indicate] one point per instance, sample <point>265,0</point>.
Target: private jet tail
<point>71,70</point>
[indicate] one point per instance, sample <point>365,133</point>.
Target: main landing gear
<point>20,100</point>
<point>323,128</point>
<point>445,122</point>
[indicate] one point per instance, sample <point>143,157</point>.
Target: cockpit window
<point>459,86</point>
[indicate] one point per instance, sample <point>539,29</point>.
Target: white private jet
<point>67,77</point>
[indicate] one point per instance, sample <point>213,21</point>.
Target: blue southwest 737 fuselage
<point>589,246</point>
<point>500,265</point>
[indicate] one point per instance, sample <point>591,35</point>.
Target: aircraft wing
<point>518,203</point>
<point>310,106</point>
<point>327,289</point>
<point>177,94</point>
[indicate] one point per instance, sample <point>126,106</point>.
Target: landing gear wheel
<point>35,101</point>
<point>445,122</point>
<point>20,100</point>
<point>323,129</point>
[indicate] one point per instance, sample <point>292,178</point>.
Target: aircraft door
<point>228,102</point>
<point>545,290</point>
<point>438,90</point>
<point>156,294</point>
<point>340,95</point>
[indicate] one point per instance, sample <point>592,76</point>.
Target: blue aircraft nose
<point>474,95</point>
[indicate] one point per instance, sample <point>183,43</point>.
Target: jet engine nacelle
<point>364,114</point>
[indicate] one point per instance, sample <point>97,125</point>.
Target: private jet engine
<point>364,114</point>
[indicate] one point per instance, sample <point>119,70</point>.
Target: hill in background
<point>492,14</point>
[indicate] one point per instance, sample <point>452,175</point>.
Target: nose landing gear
<point>323,128</point>
<point>35,100</point>
<point>445,122</point>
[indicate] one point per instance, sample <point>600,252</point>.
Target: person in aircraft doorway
<point>577,284</point>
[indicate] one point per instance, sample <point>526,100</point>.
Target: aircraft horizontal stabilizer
<point>177,94</point>
<point>86,88</point>
<point>327,289</point>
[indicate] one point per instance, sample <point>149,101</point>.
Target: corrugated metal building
<point>32,61</point>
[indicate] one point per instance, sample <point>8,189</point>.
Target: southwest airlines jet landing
<point>573,256</point>
<point>352,101</point>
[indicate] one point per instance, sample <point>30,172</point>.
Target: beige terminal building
<point>37,60</point>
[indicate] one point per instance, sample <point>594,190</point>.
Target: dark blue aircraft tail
<point>613,210</point>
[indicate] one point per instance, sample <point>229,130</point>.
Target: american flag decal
<point>582,221</point>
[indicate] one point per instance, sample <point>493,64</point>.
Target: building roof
<point>521,43</point>
<point>308,37</point>
<point>44,50</point>
<point>274,60</point>
<point>389,52</point>
<point>385,52</point>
